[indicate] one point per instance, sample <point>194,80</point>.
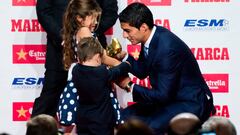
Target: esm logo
<point>206,25</point>
<point>27,83</point>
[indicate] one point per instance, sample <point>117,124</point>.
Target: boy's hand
<point>121,55</point>
<point>123,82</point>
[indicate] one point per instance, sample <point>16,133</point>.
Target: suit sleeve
<point>138,67</point>
<point>109,15</point>
<point>118,71</point>
<point>165,80</point>
<point>45,15</point>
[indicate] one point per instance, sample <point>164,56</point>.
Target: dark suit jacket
<point>176,80</point>
<point>93,87</point>
<point>50,15</point>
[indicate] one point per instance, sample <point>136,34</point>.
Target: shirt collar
<point>150,37</point>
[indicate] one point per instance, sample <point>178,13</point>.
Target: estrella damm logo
<point>217,83</point>
<point>28,54</point>
<point>21,111</point>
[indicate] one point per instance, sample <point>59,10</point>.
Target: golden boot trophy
<point>114,48</point>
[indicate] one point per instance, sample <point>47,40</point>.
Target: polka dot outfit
<point>68,103</point>
<point>116,108</point>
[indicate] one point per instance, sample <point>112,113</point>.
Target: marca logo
<point>23,2</point>
<point>27,82</point>
<point>206,1</point>
<point>152,2</point>
<point>217,82</point>
<point>210,53</point>
<point>26,25</point>
<point>222,110</point>
<point>29,54</point>
<point>206,25</point>
<point>109,31</point>
<point>163,22</point>
<point>22,111</point>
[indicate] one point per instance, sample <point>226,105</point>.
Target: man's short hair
<point>136,14</point>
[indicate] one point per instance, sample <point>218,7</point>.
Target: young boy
<point>95,114</point>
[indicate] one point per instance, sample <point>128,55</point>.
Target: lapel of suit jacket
<point>152,47</point>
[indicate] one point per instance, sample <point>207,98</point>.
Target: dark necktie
<point>145,51</point>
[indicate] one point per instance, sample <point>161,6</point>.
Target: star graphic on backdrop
<point>135,54</point>
<point>21,55</point>
<point>22,112</point>
<point>18,1</point>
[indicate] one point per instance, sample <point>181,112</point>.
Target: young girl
<point>81,19</point>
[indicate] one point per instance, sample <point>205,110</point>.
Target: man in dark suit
<point>176,82</point>
<point>50,15</point>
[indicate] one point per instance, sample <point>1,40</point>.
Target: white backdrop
<point>209,27</point>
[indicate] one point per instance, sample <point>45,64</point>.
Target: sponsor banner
<point>163,22</point>
<point>26,25</point>
<point>28,54</point>
<point>211,53</point>
<point>23,2</point>
<point>152,2</point>
<point>208,25</point>
<point>222,110</point>
<point>22,110</point>
<point>27,83</point>
<point>217,83</point>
